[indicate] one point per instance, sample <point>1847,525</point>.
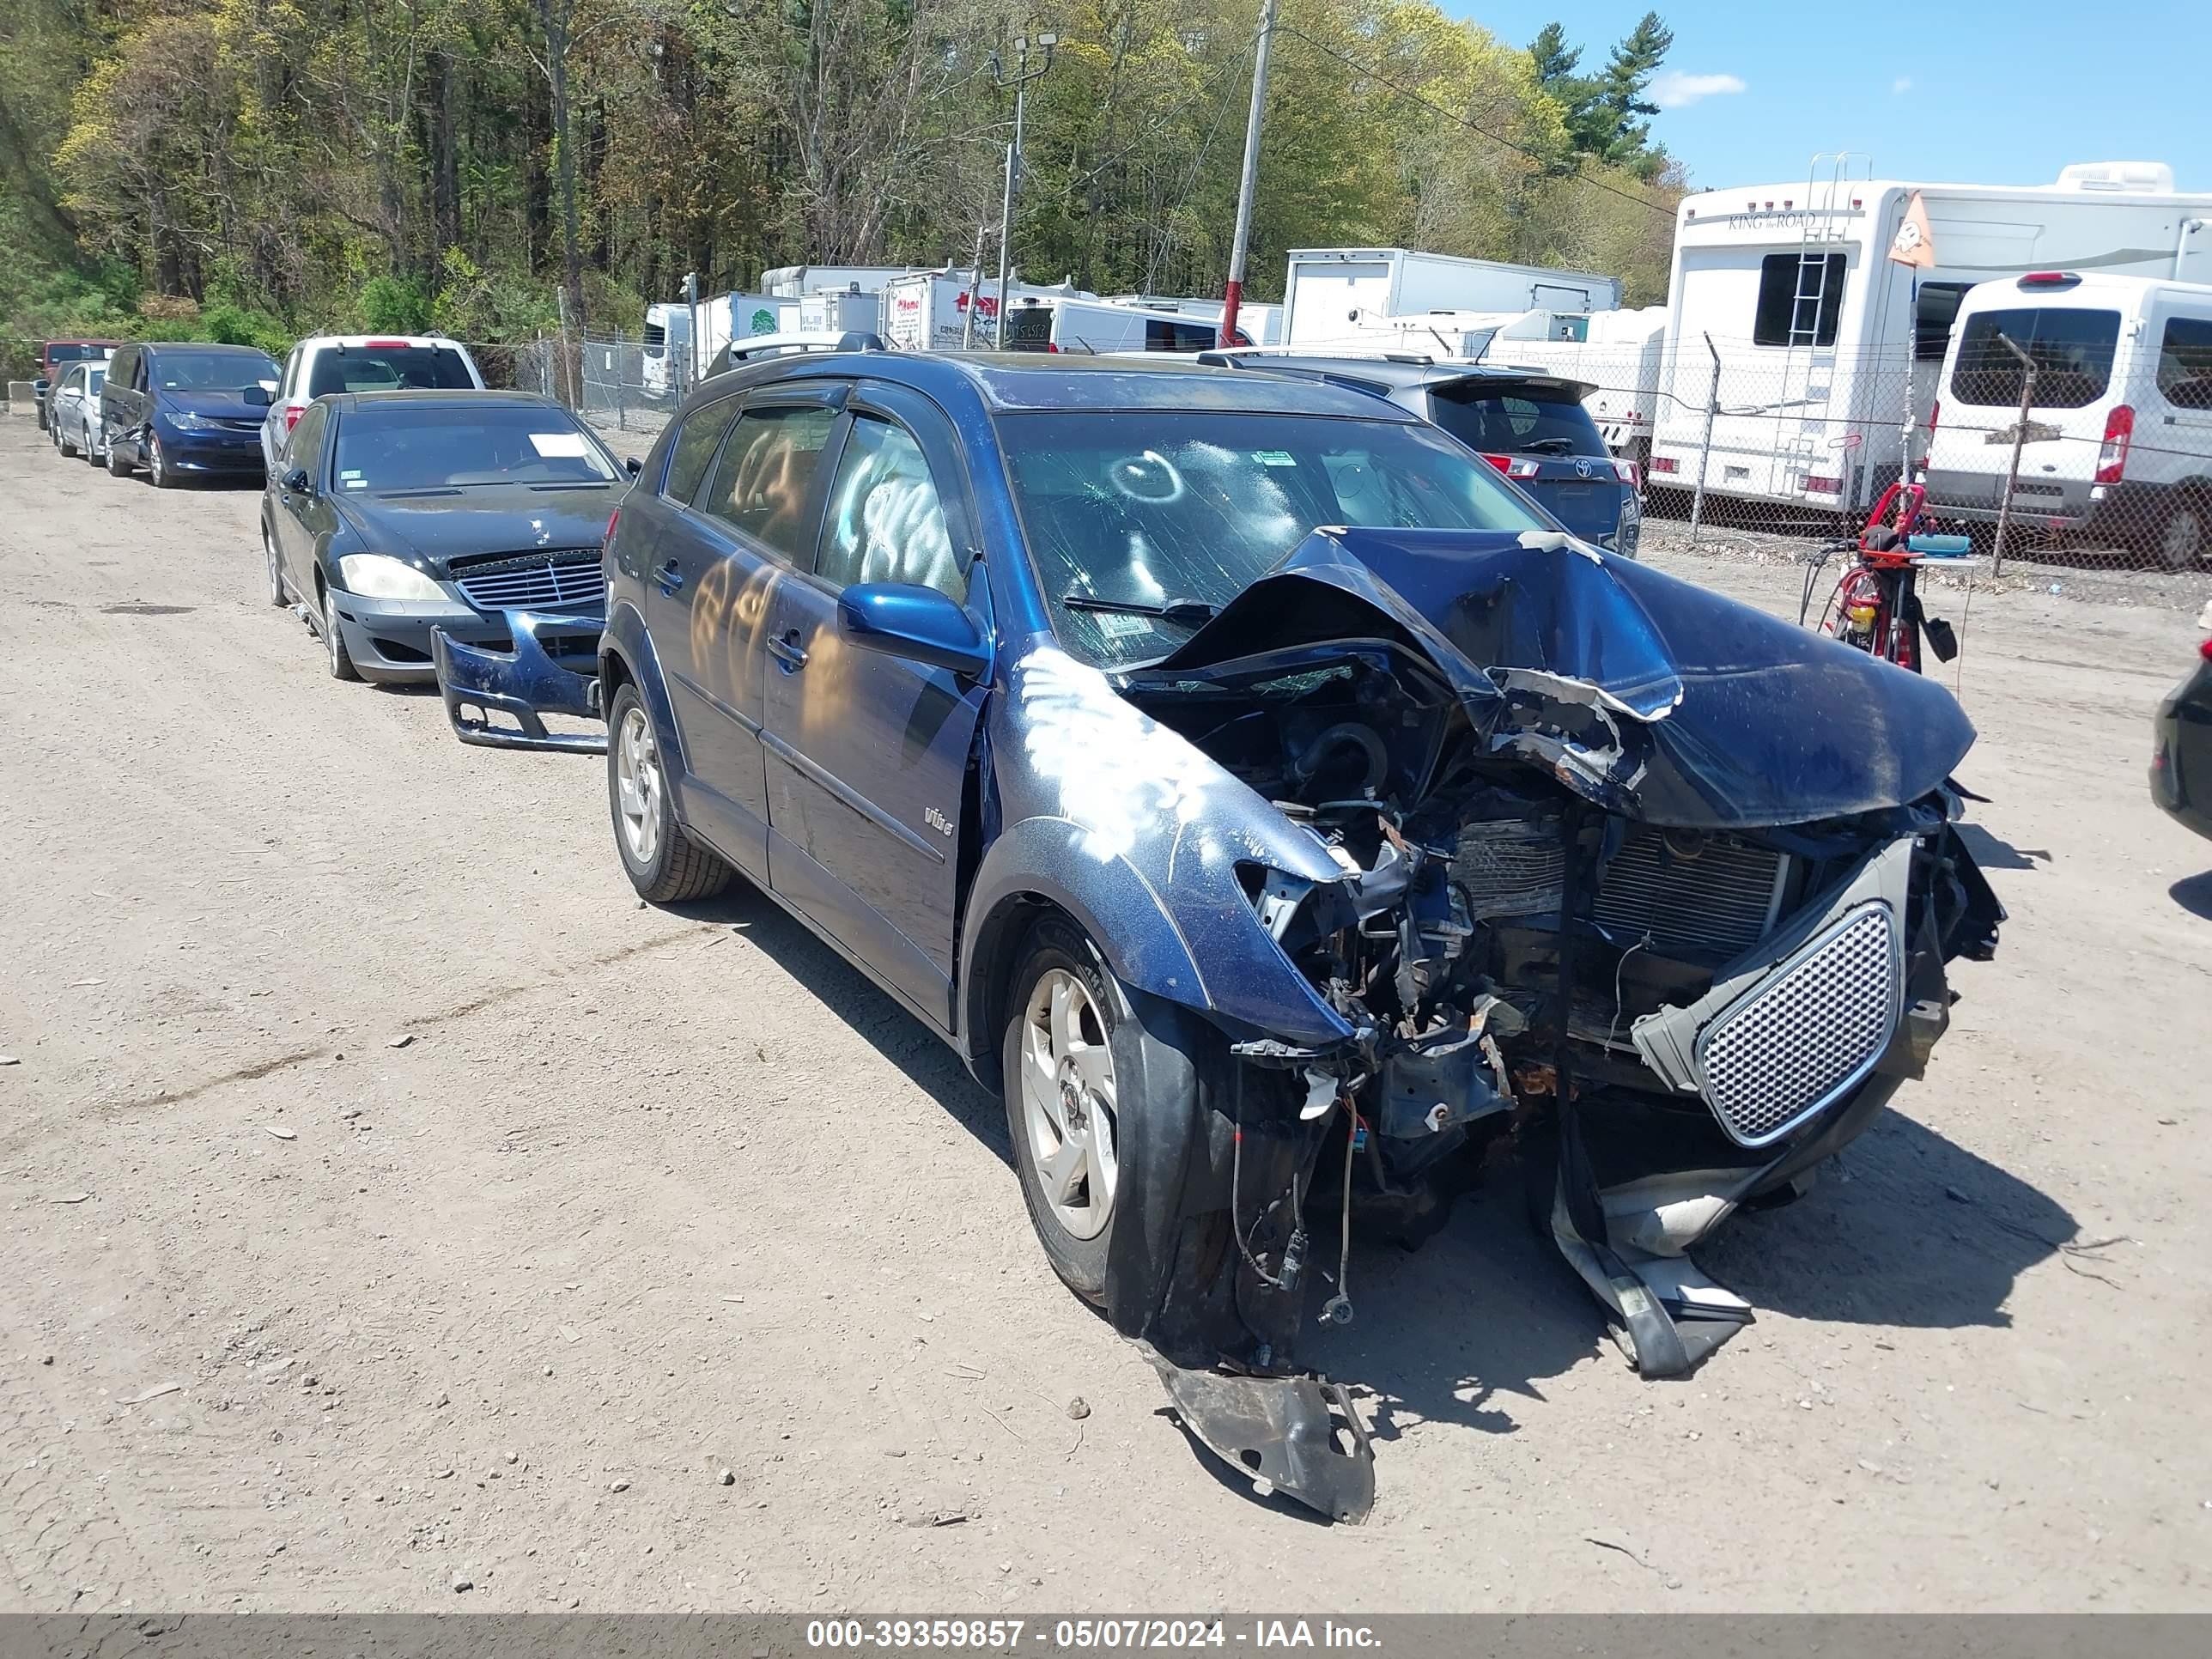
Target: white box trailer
<point>1329,291</point>
<point>722,318</point>
<point>927,310</point>
<point>797,282</point>
<point>841,310</point>
<point>1827,349</point>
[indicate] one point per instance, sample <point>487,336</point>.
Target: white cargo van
<point>2118,437</point>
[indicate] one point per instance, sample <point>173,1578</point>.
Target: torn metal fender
<point>1279,1432</point>
<point>525,683</point>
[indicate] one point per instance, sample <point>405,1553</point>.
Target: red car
<point>59,354</point>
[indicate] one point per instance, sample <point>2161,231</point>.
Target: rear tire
<point>277,596</point>
<point>2183,537</point>
<point>662,861</point>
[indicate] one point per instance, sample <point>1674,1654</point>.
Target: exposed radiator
<point>1691,891</point>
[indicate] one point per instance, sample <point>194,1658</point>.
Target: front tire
<point>64,445</point>
<point>277,596</point>
<point>1103,1109</point>
<point>117,466</point>
<point>662,861</point>
<point>340,659</point>
<point>157,469</point>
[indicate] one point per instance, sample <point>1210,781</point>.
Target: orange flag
<point>1914,244</point>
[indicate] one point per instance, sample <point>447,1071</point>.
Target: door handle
<point>787,650</point>
<point>670,576</point>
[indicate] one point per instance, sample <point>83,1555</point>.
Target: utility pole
<point>975,294</point>
<point>691,327</point>
<point>1233,295</point>
<point>1020,82</point>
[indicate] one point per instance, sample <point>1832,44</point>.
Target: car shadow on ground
<point>853,997</point>
<point>2194,894</point>
<point>1994,853</point>
<point>1907,1229</point>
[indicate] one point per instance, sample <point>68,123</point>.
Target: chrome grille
<point>533,583</point>
<point>1687,889</point>
<point>1810,1032</point>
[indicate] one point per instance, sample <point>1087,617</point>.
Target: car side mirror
<point>260,396</point>
<point>632,465</point>
<point>903,619</point>
<point>297,481</point>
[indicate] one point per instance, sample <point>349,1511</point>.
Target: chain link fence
<point>2058,458</point>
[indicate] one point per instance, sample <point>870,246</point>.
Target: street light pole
<point>1232,297</point>
<point>1020,82</point>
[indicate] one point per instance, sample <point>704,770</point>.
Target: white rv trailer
<point>1826,354</point>
<point>1330,293</point>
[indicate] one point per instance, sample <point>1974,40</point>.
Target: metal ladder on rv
<point>1802,441</point>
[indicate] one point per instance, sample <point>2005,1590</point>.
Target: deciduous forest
<point>255,169</point>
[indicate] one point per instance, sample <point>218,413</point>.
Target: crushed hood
<point>1645,694</point>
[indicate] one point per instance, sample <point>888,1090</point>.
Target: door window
<point>886,522</point>
<point>693,449</point>
<point>764,482</point>
<point>2185,362</point>
<point>1800,298</point>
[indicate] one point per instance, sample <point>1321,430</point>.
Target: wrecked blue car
<point>1287,818</point>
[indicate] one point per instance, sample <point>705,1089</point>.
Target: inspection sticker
<point>1274,458</point>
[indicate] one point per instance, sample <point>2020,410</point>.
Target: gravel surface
<point>666,1264</point>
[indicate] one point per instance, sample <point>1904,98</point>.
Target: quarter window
<point>2185,362</point>
<point>886,522</point>
<point>1800,298</point>
<point>763,484</point>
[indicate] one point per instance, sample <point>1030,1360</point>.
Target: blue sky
<point>1979,93</point>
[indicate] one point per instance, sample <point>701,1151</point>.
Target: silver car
<point>73,412</point>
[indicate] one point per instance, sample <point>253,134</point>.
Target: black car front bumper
<point>523,681</point>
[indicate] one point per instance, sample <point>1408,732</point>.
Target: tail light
<point>1824,486</point>
<point>1626,472</point>
<point>1934,414</point>
<point>613,518</point>
<point>292,413</point>
<point>1513,466</point>
<point>1665,463</point>
<point>2119,432</point>
<point>2205,650</point>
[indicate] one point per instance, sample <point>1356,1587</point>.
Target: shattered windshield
<point>1144,523</point>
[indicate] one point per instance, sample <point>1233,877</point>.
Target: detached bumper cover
<point>525,683</point>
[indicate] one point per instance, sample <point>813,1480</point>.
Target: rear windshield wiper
<point>1190,612</point>
<point>1550,446</point>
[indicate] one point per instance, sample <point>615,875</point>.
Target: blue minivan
<point>186,409</point>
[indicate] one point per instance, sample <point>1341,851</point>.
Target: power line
<point>1190,180</point>
<point>1226,70</point>
<point>1453,116</point>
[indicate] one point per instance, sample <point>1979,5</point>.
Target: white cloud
<point>1675,90</point>
<point>1901,86</point>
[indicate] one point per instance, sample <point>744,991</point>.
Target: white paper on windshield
<point>1116,625</point>
<point>559,446</point>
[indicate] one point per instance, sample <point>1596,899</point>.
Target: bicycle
<point>1876,607</point>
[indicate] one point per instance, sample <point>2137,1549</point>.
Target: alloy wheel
<point>638,787</point>
<point>1069,1107</point>
<point>156,473</point>
<point>2182,543</point>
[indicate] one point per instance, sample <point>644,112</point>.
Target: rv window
<point>1932,317</point>
<point>2072,350</point>
<point>2185,362</point>
<point>1177,337</point>
<point>1800,297</point>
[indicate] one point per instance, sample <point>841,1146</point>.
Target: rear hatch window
<point>2072,349</point>
<point>1522,428</point>
<point>388,369</point>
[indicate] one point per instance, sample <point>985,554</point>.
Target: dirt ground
<point>293,1317</point>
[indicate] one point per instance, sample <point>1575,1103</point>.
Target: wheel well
<point>991,962</point>
<point>614,674</point>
